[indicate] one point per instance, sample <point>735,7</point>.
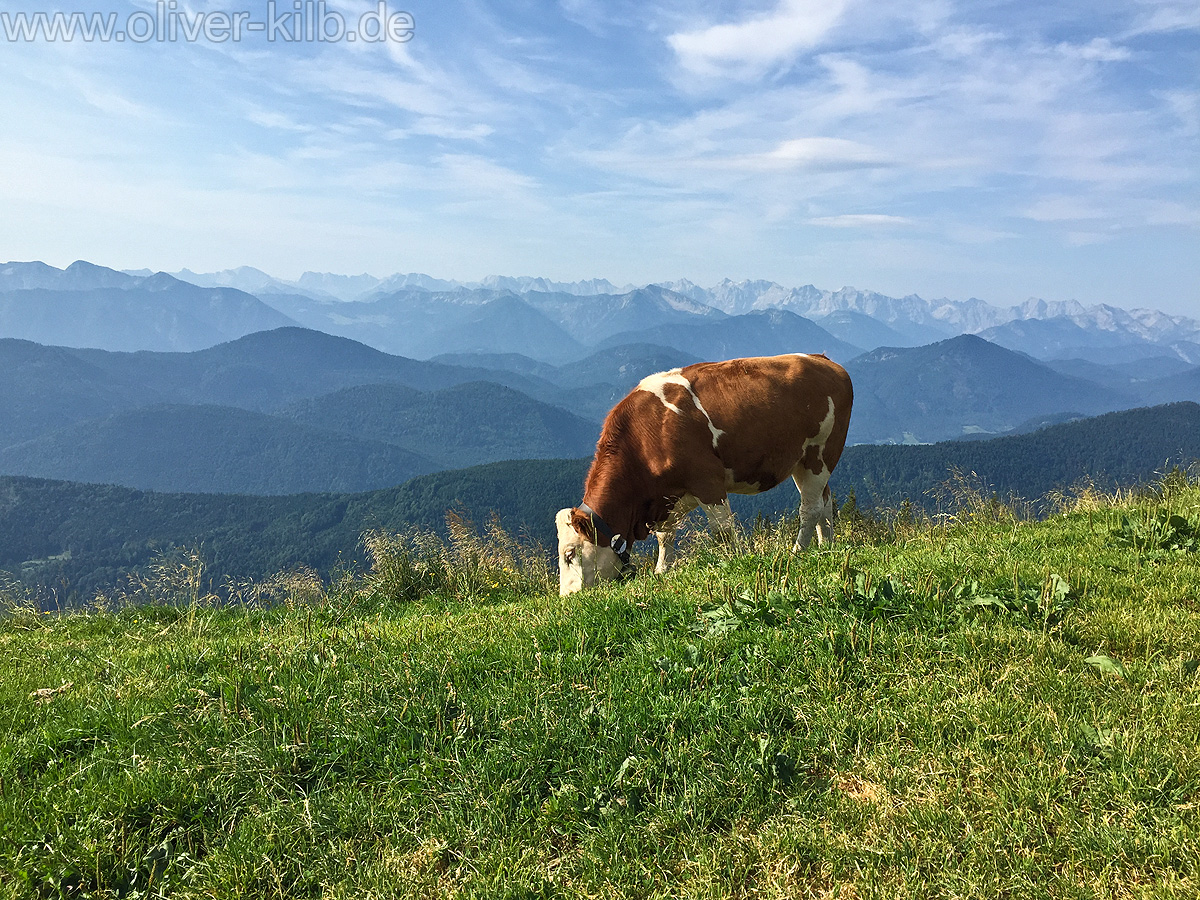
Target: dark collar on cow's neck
<point>618,542</point>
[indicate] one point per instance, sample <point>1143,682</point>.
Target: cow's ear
<point>582,523</point>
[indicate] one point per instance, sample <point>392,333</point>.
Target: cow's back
<point>759,416</point>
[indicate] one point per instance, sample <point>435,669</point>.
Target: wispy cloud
<point>1096,50</point>
<point>1164,16</point>
<point>861,220</point>
<point>1068,209</point>
<point>829,154</point>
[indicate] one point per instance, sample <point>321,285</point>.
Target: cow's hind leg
<point>816,508</point>
<point>666,534</point>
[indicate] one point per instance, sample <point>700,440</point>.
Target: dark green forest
<point>68,541</point>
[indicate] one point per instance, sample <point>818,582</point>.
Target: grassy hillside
<point>980,708</point>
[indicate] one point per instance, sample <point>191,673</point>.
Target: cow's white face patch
<point>656,384</point>
<point>581,563</point>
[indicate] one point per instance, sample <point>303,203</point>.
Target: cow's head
<point>582,562</point>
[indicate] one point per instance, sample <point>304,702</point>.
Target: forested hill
<point>77,539</point>
<point>1112,450</point>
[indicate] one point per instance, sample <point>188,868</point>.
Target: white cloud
<point>753,46</point>
<point>964,42</point>
<point>443,128</point>
<point>1086,238</point>
<point>1185,107</point>
<point>268,118</point>
<point>1168,212</point>
<point>366,85</point>
<point>969,233</point>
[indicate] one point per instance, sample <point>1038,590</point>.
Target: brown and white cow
<point>691,437</point>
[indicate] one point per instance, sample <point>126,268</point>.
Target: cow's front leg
<point>720,518</point>
<point>666,550</point>
<point>666,533</point>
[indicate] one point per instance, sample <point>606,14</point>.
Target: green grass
<point>977,707</point>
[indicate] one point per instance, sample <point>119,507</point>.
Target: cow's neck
<point>611,500</point>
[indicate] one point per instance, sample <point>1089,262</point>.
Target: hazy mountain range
<point>420,316</point>
<point>912,319</point>
<point>933,318</point>
<point>90,306</point>
<point>299,410</point>
<point>344,383</point>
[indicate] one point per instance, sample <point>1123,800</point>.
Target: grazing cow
<point>692,436</point>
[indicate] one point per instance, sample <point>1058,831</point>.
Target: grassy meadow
<point>968,706</point>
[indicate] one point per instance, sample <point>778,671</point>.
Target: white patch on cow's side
<point>822,434</point>
<point>656,384</point>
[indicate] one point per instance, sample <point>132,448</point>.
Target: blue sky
<point>948,148</point>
